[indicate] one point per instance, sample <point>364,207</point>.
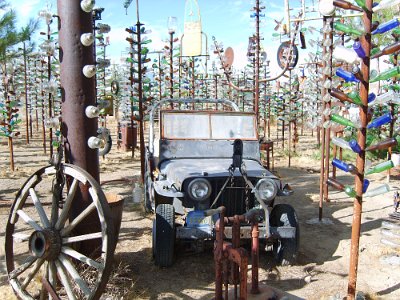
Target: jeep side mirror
<point>237,153</point>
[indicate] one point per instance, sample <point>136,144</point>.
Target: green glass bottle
<point>343,121</point>
<point>380,167</point>
<point>355,97</point>
<point>387,74</point>
<point>347,29</point>
<point>361,3</point>
<point>350,191</point>
<point>375,51</point>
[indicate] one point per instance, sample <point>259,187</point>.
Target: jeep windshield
<point>208,126</point>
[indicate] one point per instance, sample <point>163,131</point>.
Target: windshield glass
<point>208,126</point>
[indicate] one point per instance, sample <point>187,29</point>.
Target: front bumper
<point>206,232</point>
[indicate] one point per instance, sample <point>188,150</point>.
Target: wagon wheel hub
<point>45,244</point>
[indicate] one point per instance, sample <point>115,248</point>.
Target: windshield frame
<point>210,115</point>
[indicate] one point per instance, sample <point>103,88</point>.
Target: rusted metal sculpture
<point>231,260</point>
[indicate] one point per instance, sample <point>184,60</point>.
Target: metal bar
<point>360,163</point>
<point>255,248</point>
<point>49,288</point>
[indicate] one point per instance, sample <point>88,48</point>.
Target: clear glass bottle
<point>340,143</point>
<point>378,191</point>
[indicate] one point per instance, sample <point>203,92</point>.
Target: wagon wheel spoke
<point>83,237</point>
<point>64,280</point>
<point>39,208</point>
<point>29,220</point>
<point>79,256</point>
<point>67,205</point>
<point>23,267</point>
<point>75,275</point>
<point>38,263</point>
<point>52,274</point>
<point>78,219</point>
<point>20,237</point>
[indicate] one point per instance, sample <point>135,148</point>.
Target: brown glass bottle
<point>388,50</point>
<point>341,96</point>
<point>336,184</point>
<point>390,142</point>
<point>346,5</point>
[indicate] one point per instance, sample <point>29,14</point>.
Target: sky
<point>228,21</point>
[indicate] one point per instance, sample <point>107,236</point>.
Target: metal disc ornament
<point>228,57</point>
<point>283,55</point>
<point>114,87</point>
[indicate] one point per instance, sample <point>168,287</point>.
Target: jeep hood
<point>177,170</point>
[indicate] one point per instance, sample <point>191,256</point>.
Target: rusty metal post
<point>140,96</point>
<point>77,92</point>
<point>254,256</point>
<point>218,255</point>
<point>328,106</point>
<point>50,96</point>
<point>26,96</point>
<point>322,177</point>
<point>257,63</point>
<point>360,163</point>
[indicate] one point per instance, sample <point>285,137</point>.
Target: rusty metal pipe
<point>254,256</point>
<point>78,92</point>
<point>360,163</point>
<point>219,228</point>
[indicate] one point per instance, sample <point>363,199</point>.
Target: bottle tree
<point>27,48</point>
<point>9,37</point>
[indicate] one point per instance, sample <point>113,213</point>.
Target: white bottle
<point>347,55</point>
<point>385,4</point>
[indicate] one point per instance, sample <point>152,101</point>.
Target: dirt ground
<point>323,264</point>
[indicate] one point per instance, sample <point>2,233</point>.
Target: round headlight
<point>199,189</point>
<point>266,189</point>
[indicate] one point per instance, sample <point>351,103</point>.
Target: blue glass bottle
<point>365,185</point>
<point>359,49</point>
<point>382,120</point>
<point>340,164</point>
<point>354,146</point>
<point>382,28</point>
<point>349,77</point>
<point>371,97</point>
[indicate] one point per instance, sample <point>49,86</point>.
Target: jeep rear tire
<point>164,235</point>
<point>285,250</point>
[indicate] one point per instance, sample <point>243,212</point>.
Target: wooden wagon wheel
<point>42,250</point>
